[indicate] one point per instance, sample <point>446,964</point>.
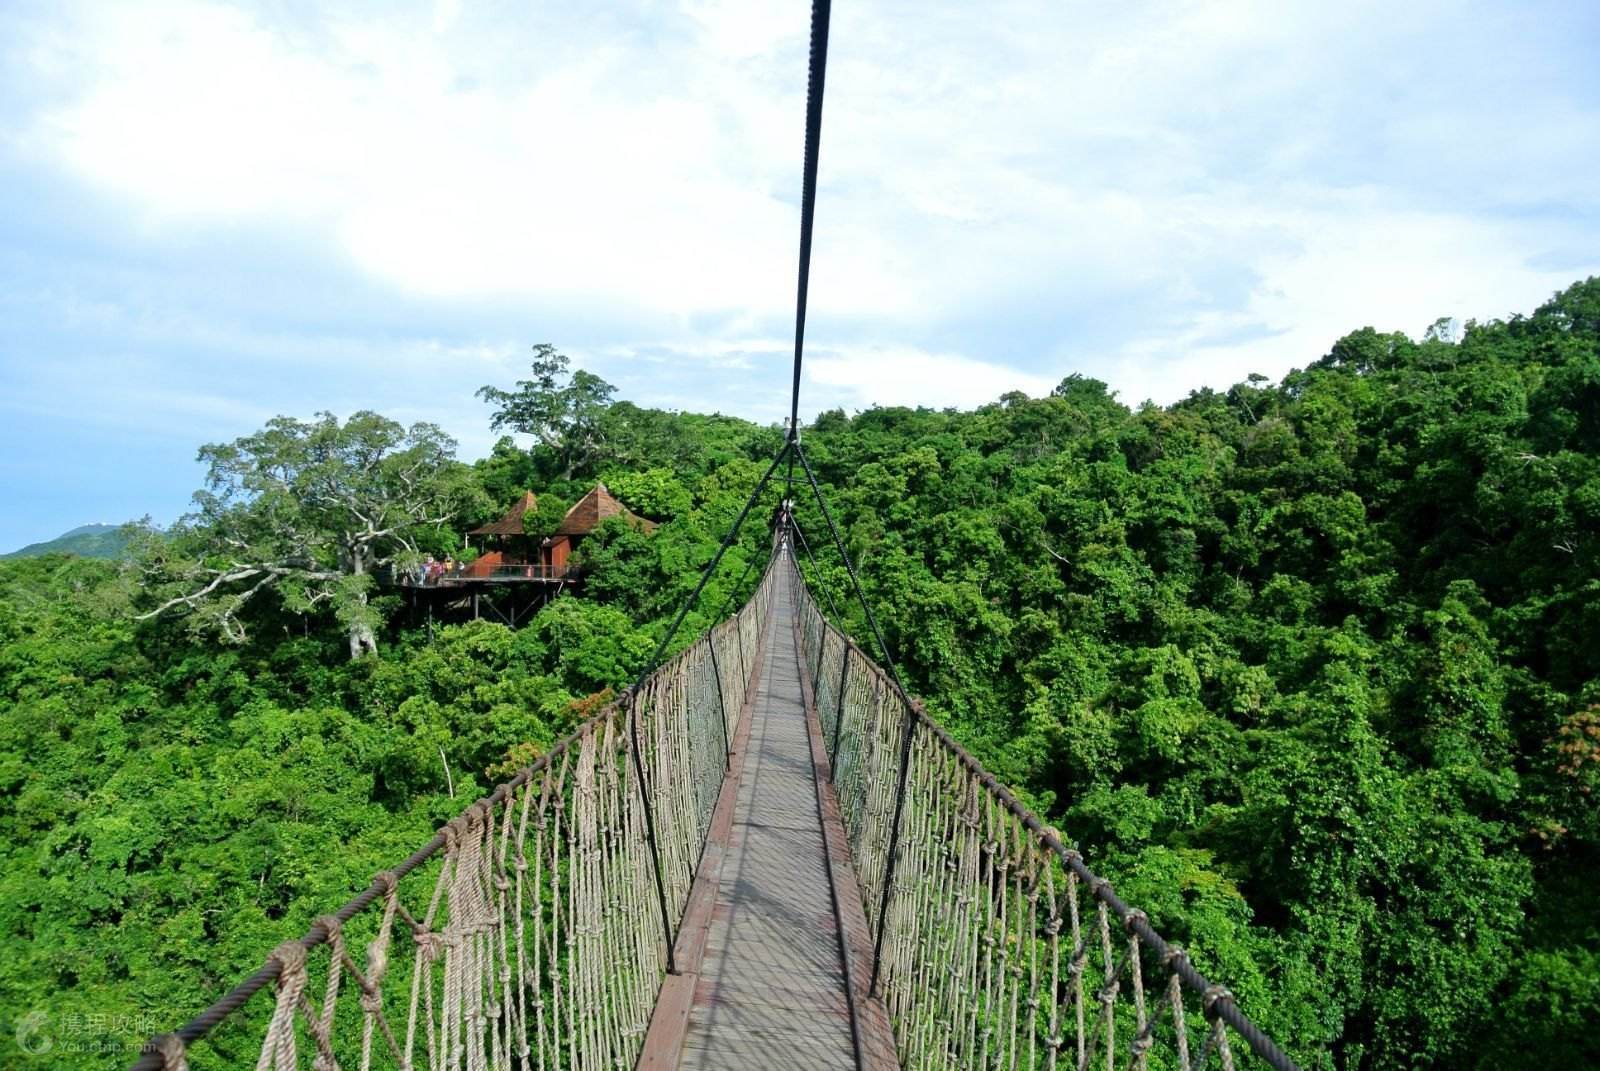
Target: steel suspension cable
<point>655,659</point>
<point>820,11</point>
<point>727,606</point>
<point>906,734</point>
<point>816,571</point>
<point>855,580</point>
<point>733,592</point>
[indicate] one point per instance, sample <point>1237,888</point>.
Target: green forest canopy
<point>1310,670</point>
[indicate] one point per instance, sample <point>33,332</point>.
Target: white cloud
<point>745,28</point>
<point>445,14</point>
<point>902,375</point>
<point>1346,263</point>
<point>1203,188</point>
<point>569,183</point>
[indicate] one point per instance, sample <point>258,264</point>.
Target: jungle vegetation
<point>1310,670</point>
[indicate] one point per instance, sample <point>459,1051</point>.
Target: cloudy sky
<point>214,212</point>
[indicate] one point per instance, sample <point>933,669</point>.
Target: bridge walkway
<point>765,979</point>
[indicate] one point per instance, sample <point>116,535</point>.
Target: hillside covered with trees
<point>85,541</point>
<point>1310,670</point>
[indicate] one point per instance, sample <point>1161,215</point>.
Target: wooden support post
<point>722,705</point>
<point>838,718</point>
<point>822,641</point>
<point>738,631</point>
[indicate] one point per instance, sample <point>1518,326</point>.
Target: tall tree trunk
<point>362,640</point>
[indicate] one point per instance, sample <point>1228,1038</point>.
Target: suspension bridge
<point>764,853</point>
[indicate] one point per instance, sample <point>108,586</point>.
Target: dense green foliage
<point>1310,670</point>
<point>307,510</point>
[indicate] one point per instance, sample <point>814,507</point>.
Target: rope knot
<point>291,960</point>
<point>430,944</point>
<point>371,1000</point>
<point>1132,919</point>
<point>174,1054</point>
<point>1141,1044</point>
<point>331,926</point>
<point>1214,995</point>
<point>1175,955</point>
<point>386,880</point>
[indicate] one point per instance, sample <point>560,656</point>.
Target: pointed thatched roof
<point>597,506</point>
<point>511,523</point>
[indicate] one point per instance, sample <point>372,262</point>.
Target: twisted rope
<point>976,896</point>
<point>535,940</point>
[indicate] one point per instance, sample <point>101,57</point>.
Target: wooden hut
<point>506,551</point>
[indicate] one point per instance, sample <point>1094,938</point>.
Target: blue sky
<point>211,213</point>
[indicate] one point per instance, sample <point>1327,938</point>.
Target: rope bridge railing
<point>999,947</point>
<point>528,933</point>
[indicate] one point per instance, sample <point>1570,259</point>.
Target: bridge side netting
<point>1000,948</point>
<point>528,932</point>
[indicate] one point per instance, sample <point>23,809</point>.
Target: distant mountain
<point>86,541</point>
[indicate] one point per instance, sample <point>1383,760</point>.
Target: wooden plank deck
<point>764,980</point>
<point>771,988</point>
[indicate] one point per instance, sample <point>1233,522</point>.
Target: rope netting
<point>1000,948</point>
<point>528,933</point>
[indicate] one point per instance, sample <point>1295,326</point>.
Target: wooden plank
<point>663,1040</point>
<point>873,1033</point>
<point>772,989</point>
<point>774,954</point>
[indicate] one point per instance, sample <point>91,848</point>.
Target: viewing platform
<point>508,554</point>
<point>478,573</point>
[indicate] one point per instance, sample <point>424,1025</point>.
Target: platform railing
<point>509,572</point>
